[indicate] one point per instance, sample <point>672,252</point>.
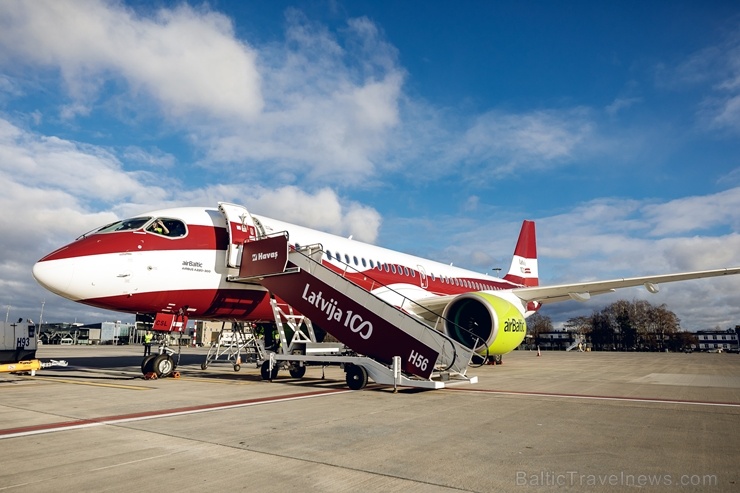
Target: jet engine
<point>482,320</point>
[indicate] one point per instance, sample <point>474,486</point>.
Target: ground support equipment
<point>237,345</point>
<point>394,348</point>
<point>30,366</point>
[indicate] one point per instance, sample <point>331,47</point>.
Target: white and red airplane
<point>181,259</point>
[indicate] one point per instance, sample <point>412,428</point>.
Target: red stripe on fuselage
<point>197,238</point>
<point>374,278</point>
<point>229,304</point>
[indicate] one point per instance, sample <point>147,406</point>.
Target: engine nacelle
<point>496,323</point>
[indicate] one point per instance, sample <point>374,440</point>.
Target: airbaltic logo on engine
<point>256,257</point>
<point>514,325</point>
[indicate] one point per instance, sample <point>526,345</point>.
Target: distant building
<point>206,333</point>
<point>558,340</point>
<point>76,333</point>
<point>62,333</point>
<point>726,340</point>
<point>109,333</point>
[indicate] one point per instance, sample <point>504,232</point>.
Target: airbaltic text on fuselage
<point>264,256</point>
<point>353,321</point>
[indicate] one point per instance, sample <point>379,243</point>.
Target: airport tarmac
<point>563,421</point>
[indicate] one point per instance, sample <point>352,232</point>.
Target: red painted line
<point>161,413</point>
<point>598,397</point>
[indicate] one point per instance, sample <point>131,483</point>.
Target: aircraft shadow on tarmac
<point>106,367</point>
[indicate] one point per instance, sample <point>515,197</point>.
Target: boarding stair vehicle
<point>377,340</point>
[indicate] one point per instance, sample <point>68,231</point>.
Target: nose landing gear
<point>161,365</point>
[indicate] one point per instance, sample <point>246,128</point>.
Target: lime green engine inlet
<point>483,320</point>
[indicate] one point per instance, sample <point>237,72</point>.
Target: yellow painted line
<point>93,384</point>
<point>217,380</point>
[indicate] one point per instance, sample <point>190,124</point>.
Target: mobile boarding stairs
<point>386,344</point>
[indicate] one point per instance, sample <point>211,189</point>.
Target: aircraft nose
<point>55,275</point>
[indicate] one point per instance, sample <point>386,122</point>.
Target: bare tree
<point>580,325</point>
<point>536,324</point>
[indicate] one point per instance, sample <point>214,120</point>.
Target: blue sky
<point>429,127</point>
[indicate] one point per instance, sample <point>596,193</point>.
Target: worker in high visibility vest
<point>148,343</point>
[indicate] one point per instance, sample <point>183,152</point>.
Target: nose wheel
<point>161,365</point>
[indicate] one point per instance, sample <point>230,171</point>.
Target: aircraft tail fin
<point>523,268</point>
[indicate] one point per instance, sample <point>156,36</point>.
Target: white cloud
<point>188,61</point>
<point>86,172</point>
<point>153,158</point>
<point>697,213</point>
<point>322,210</point>
<point>715,70</point>
<point>620,104</point>
<point>329,107</point>
<point>505,141</point>
<point>317,106</point>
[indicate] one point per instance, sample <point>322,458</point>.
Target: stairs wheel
<point>265,371</point>
<point>297,371</point>
<point>356,377</point>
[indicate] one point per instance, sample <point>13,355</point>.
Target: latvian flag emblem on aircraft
<point>526,270</point>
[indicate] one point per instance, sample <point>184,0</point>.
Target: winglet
<point>523,268</point>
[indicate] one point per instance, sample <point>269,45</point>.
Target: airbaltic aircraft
<point>184,259</point>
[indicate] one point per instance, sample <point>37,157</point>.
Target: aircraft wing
<point>432,307</point>
<point>583,291</point>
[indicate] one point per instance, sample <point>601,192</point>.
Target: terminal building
<point>76,333</point>
<point>559,340</point>
<point>725,340</point>
<point>702,340</point>
<point>200,332</point>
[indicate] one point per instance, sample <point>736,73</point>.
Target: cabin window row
<point>396,269</point>
<point>403,270</point>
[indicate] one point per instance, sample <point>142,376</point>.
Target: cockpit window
<point>125,225</point>
<point>172,228</point>
<point>165,226</point>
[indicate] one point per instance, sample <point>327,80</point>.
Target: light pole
<point>41,316</point>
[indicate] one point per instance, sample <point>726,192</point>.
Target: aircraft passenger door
<point>423,281</point>
<point>240,227</point>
